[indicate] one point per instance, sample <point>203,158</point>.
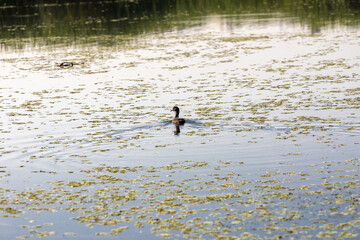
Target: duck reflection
<point>177,129</point>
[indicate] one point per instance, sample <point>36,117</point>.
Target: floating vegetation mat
<point>270,149</point>
<point>197,200</point>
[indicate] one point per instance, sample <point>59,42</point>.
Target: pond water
<point>271,97</point>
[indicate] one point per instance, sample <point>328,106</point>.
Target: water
<point>271,145</point>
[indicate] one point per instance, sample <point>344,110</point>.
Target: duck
<point>176,119</point>
<point>67,64</point>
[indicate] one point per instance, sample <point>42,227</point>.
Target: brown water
<point>270,149</point>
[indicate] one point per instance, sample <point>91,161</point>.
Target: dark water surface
<point>270,91</point>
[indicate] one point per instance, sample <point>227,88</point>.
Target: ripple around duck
<point>47,146</point>
<point>118,133</point>
<point>80,142</point>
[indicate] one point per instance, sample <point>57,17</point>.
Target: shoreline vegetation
<point>29,19</point>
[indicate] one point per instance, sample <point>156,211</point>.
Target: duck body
<point>66,64</point>
<point>177,119</point>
